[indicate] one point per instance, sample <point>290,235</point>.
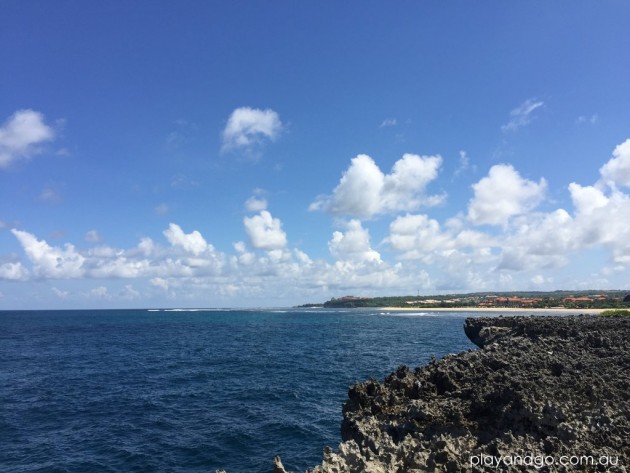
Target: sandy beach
<point>495,309</point>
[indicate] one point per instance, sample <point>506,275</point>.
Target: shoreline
<point>558,310</point>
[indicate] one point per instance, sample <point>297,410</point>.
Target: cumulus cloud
<point>599,220</point>
<point>539,241</point>
<point>617,170</point>
<point>22,135</point>
<point>265,232</point>
<point>453,248</point>
<point>160,282</point>
<point>353,244</point>
<point>521,115</point>
<point>503,194</point>
<point>191,242</point>
<point>48,261</point>
<point>189,255</point>
<point>429,253</point>
<point>586,199</point>
<point>365,191</point>
<point>607,225</point>
<point>413,234</point>
<point>416,236</point>
<point>13,271</point>
<point>247,127</point>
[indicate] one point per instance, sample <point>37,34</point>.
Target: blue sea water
<point>195,390</point>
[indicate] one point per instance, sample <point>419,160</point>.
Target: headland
<point>540,394</point>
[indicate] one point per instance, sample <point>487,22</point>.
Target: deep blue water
<point>193,391</point>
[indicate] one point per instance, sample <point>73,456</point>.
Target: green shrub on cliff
<point>617,312</point>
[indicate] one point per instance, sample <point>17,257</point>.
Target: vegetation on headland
<point>521,299</point>
<point>617,312</point>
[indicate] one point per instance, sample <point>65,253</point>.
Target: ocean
<point>195,390</point>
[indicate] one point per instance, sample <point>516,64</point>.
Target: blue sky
<point>171,154</point>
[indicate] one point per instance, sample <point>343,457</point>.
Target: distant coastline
<point>558,310</point>
<point>592,301</point>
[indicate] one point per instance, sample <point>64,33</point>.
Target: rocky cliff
<point>541,394</point>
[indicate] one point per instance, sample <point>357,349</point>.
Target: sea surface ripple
<point>193,391</point>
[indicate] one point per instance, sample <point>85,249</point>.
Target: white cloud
<point>100,292</point>
<point>428,253</point>
<point>454,251</point>
<point>160,282</point>
<point>13,271</point>
<point>181,181</point>
<point>244,257</point>
<point>129,293</point>
<point>50,195</point>
<point>388,122</point>
<point>521,115</point>
<point>60,294</point>
<point>364,191</point>
<point>358,192</point>
<point>255,204</point>
<point>593,119</point>
<point>540,241</point>
<point>540,280</point>
<point>92,236</point>
<point>600,220</point>
<point>416,234</point>
<point>353,244</point>
<point>617,170</point>
<point>607,225</point>
<point>265,232</point>
<point>162,209</point>
<point>247,127</point>
<point>463,164</point>
<point>146,246</point>
<point>191,242</point>
<point>146,260</point>
<point>22,135</point>
<point>503,194</point>
<point>48,261</point>
<point>586,199</point>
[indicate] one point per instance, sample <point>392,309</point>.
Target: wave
<point>406,314</point>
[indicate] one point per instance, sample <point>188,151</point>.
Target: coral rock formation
<point>540,392</point>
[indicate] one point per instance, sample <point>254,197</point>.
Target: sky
<point>264,154</point>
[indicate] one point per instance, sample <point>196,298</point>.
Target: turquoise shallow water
<point>192,391</point>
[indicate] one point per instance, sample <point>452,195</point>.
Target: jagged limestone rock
<point>538,388</point>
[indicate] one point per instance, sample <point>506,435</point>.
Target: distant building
<point>514,302</point>
<point>578,299</point>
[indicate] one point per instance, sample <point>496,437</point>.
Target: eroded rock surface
<point>542,389</point>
